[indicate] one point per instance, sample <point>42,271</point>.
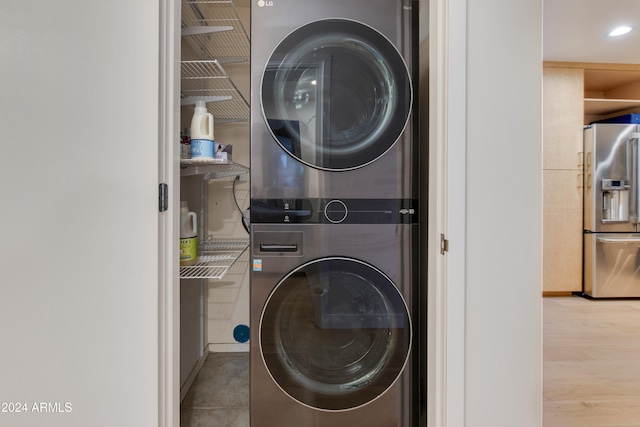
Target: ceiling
<point>575,31</point>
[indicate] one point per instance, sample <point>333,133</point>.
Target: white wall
<point>79,229</point>
<point>78,304</point>
<point>503,367</point>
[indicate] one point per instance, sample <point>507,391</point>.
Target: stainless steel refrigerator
<point>611,210</point>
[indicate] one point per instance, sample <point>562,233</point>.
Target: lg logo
<point>263,3</point>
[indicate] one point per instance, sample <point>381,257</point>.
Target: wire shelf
<point>215,258</point>
<point>217,29</point>
<point>213,168</point>
<point>207,81</point>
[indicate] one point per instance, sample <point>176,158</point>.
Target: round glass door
<point>335,334</point>
<point>336,94</point>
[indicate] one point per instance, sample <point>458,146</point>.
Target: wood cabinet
<point>562,190</point>
<point>562,231</point>
<point>610,90</point>
<point>562,118</point>
<point>574,95</point>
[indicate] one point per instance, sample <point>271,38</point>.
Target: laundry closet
<point>214,292</point>
<point>334,304</point>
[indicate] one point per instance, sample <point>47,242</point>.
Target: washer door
<point>335,334</point>
<point>336,94</point>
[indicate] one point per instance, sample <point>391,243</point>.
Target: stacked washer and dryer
<point>334,221</point>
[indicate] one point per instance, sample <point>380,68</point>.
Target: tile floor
<point>219,395</point>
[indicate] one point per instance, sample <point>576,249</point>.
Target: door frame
<point>447,211</point>
<point>168,221</point>
<point>447,204</point>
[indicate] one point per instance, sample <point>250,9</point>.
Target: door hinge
<point>444,244</point>
<point>163,197</point>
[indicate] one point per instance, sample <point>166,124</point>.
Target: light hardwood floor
<point>591,354</point>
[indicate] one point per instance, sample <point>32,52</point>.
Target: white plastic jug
<point>202,146</point>
<point>188,235</point>
<point>202,122</point>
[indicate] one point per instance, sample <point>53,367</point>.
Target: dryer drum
<point>334,335</point>
<point>336,94</point>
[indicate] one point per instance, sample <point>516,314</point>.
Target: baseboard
<point>557,293</point>
<point>194,373</point>
<point>228,348</point>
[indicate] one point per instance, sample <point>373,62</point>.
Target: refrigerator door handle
<point>618,240</point>
<point>632,175</point>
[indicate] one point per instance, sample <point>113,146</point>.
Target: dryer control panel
<point>334,211</point>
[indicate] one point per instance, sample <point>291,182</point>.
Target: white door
<point>79,224</point>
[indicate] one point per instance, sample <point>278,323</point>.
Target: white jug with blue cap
<point>202,145</point>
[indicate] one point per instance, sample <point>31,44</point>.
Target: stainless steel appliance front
<point>612,265</point>
<point>334,165</point>
<point>611,210</point>
<point>332,100</point>
<point>334,310</point>
<point>611,185</point>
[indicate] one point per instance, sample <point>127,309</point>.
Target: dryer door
<point>335,333</point>
<point>336,94</point>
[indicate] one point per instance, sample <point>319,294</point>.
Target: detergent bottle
<point>202,146</point>
<point>188,235</point>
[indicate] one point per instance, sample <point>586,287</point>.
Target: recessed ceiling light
<point>619,31</point>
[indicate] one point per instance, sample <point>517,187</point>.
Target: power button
<point>335,211</point>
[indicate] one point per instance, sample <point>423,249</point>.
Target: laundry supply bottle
<point>202,146</point>
<point>188,235</point>
<point>185,144</point>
